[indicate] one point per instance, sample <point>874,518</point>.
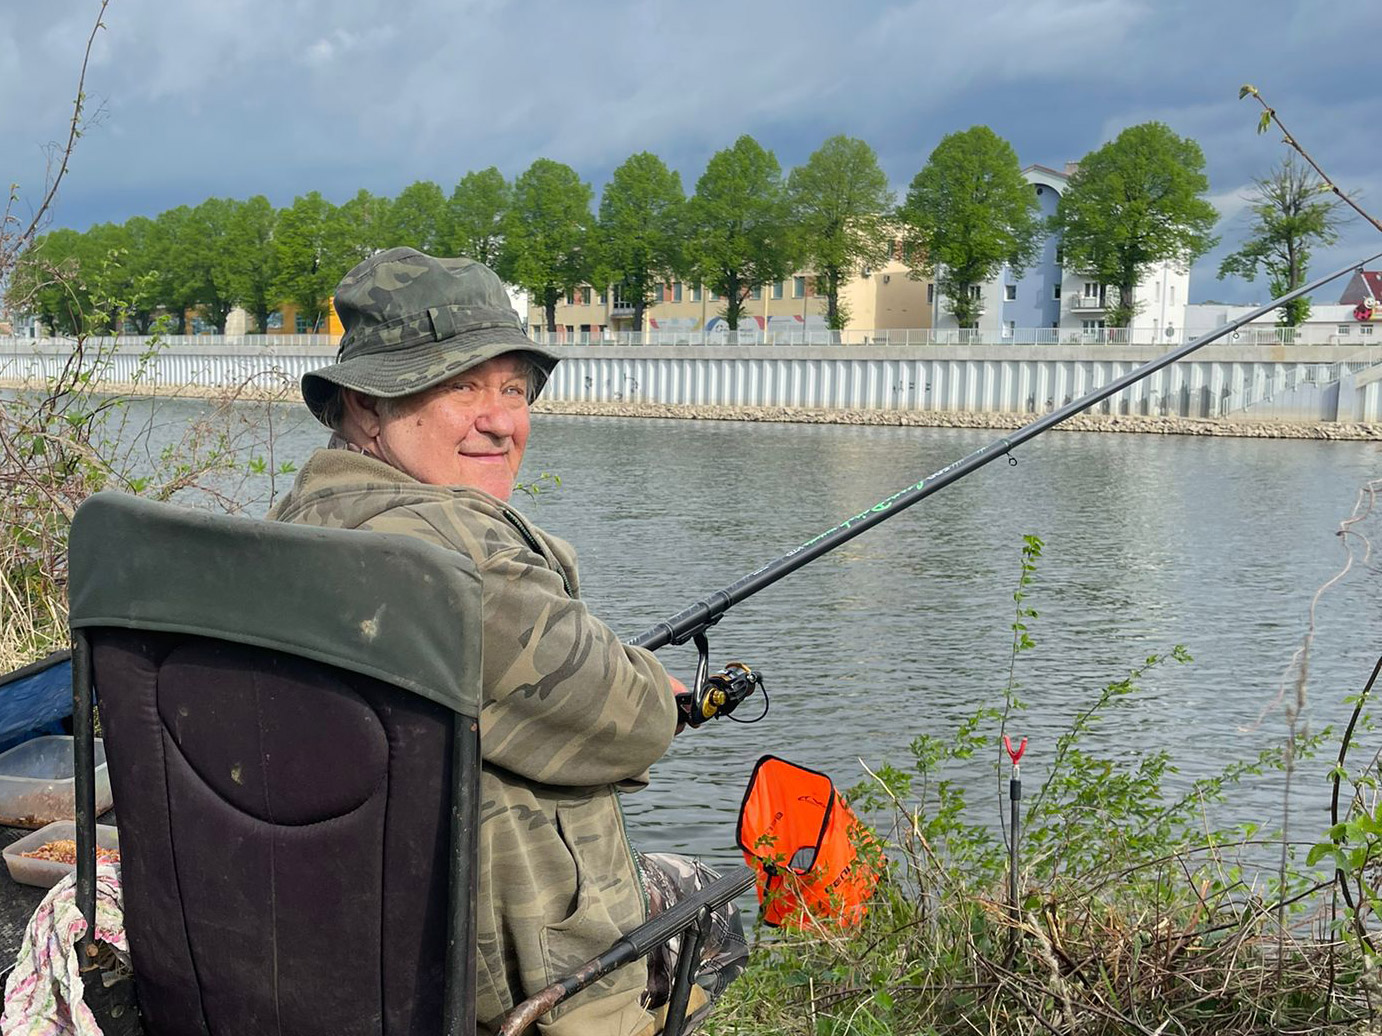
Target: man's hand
<point>677,688</point>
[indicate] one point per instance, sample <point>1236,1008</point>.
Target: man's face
<point>469,431</point>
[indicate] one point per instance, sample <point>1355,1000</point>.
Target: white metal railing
<point>1087,302</point>
<point>9,343</point>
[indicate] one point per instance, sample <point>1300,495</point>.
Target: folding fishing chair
<point>290,720</point>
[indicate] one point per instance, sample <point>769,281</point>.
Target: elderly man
<point>428,404</point>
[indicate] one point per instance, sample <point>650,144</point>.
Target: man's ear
<point>362,412</point>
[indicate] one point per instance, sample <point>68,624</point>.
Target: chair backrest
<point>289,715</point>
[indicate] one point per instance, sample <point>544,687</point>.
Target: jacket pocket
<point>589,929</point>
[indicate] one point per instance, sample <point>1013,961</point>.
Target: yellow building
<point>286,320</point>
<point>878,299</point>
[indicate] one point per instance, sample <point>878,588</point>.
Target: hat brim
<point>402,373</point>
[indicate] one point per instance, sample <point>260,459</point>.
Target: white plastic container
<point>37,786</point>
<point>47,873</point>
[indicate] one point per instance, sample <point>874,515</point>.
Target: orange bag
<point>804,841</point>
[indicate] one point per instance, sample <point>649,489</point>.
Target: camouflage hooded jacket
<point>569,713</point>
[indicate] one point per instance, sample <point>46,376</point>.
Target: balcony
<point>1088,303</point>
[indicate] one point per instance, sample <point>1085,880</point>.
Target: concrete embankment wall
<point>1303,384</point>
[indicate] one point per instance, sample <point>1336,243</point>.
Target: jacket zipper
<point>633,855</point>
<point>528,537</point>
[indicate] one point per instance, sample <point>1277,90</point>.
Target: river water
<point>1214,543</point>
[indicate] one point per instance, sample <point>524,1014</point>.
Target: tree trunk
<point>639,305</point>
<point>734,303</point>
<point>962,306</point>
<point>261,318</point>
<point>549,304</point>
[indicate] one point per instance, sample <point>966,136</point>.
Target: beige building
<point>880,299</point>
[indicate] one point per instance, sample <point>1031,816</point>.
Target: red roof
<point>1364,285</point>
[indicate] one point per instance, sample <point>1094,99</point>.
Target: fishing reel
<point>718,694</point>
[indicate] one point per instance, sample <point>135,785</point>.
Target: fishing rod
<point>692,623</point>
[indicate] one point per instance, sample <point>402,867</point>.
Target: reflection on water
<point>1217,544</point>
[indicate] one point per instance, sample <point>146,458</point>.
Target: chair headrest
<point>389,607</point>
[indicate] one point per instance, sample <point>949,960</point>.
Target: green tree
<point>141,261</point>
<point>968,212</point>
<point>418,218</point>
<point>1291,214</point>
<point>178,287</point>
<point>738,225</point>
<point>308,268</point>
<point>841,205</point>
<point>1132,204</point>
<point>476,210</point>
<point>190,245</point>
<point>547,233</point>
<point>360,228</point>
<point>47,281</point>
<point>640,230</point>
<point>250,262</point>
<point>211,223</point>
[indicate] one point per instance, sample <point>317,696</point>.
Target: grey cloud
<point>247,96</point>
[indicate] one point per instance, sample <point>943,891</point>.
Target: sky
<point>194,98</point>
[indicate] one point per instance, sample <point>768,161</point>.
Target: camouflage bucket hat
<point>413,321</point>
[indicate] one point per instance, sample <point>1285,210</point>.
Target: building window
<point>1055,292</point>
<point>275,322</point>
<point>1158,292</point>
<point>570,296</point>
<point>1091,326</point>
<point>1091,289</point>
<point>676,292</point>
<point>1010,293</point>
<point>585,296</point>
<point>585,329</point>
<point>570,329</point>
<point>300,323</point>
<point>1009,328</point>
<point>1060,255</point>
<point>695,293</point>
<point>757,293</point>
<point>1342,329</point>
<point>777,289</point>
<point>798,287</point>
<point>604,298</point>
<point>976,292</point>
<point>1365,329</point>
<point>930,294</point>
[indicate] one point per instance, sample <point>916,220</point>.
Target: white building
<point>1325,325</point>
<point>1050,302</point>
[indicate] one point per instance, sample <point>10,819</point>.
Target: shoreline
<point>1119,423</point>
<point>1106,423</point>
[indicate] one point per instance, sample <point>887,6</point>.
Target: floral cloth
<point>43,996</point>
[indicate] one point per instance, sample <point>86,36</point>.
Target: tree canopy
<point>547,233</point>
<point>418,218</point>
<point>308,267</point>
<point>477,209</point>
<point>841,207</point>
<point>1134,203</point>
<point>739,230</point>
<point>1290,215</point>
<point>641,212</point>
<point>967,213</point>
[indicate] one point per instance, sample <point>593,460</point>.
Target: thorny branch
<point>11,246</point>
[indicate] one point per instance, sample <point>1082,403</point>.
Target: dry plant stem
<point>1290,140</point>
<point>74,131</point>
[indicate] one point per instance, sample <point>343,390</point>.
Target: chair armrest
<point>676,919</point>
